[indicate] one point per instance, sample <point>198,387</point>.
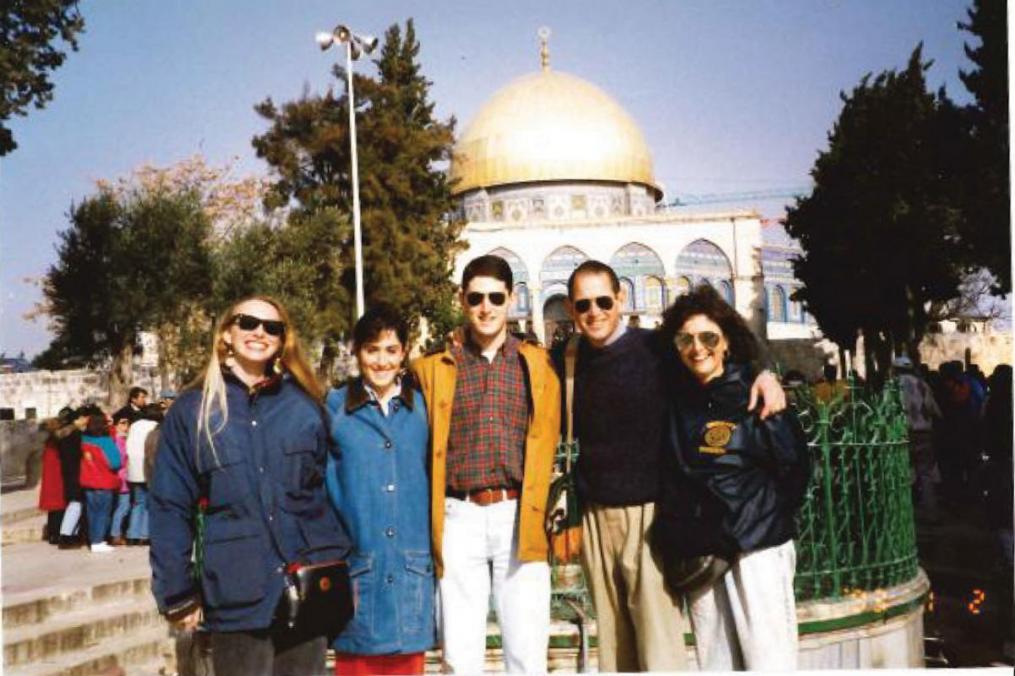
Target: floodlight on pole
<point>355,46</point>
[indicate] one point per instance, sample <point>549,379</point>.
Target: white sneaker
<point>101,547</point>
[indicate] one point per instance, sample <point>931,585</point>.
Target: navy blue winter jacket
<point>732,482</point>
<point>267,504</point>
<point>381,489</point>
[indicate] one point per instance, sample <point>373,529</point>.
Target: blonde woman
<point>248,442</point>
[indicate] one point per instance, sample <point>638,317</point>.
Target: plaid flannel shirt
<point>489,419</point>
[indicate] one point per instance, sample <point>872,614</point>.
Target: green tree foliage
<point>880,231</point>
<point>130,261</point>
<point>409,242</point>
<point>32,33</point>
<point>299,264</point>
<point>987,228</point>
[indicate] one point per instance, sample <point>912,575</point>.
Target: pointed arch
<point>559,265</point>
<point>518,268</point>
<point>522,304</point>
<point>637,263</point>
<point>702,260</point>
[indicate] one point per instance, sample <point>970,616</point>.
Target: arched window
<point>521,306</point>
<point>628,288</point>
<point>655,294</point>
<point>683,285</point>
<point>559,265</point>
<point>776,304</point>
<point>637,263</point>
<point>702,258</point>
<point>726,290</point>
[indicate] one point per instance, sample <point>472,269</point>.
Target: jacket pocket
<point>419,593</point>
<point>361,577</point>
<point>227,482</point>
<point>227,584</point>
<point>302,470</point>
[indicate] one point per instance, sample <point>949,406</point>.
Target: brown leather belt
<point>485,496</point>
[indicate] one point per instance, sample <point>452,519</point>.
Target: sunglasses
<point>684,341</point>
<point>273,327</point>
<point>585,304</point>
<point>474,298</point>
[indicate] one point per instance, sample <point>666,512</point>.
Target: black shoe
<point>70,542</point>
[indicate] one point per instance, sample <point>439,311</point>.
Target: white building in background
<point>552,171</point>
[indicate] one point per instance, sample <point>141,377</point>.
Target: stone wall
<point>20,451</point>
<point>48,391</point>
<point>986,350</point>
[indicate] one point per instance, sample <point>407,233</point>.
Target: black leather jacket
<point>732,482</point>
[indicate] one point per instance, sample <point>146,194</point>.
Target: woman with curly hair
<point>249,442</point>
<point>731,489</point>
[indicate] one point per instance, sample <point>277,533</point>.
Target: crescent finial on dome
<point>544,47</point>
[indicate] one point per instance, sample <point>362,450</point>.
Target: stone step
<point>22,513</point>
<point>27,610</point>
<point>19,504</point>
<point>123,654</point>
<point>79,629</point>
<point>23,530</point>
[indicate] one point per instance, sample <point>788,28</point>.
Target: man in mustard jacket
<point>493,404</point>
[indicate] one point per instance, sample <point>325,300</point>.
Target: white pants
<point>747,619</point>
<point>479,549</point>
<point>71,517</point>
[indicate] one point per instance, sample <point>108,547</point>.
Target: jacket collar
<point>269,386</point>
<point>728,386</point>
<point>358,396</point>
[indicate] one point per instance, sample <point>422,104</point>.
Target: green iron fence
<point>856,529</point>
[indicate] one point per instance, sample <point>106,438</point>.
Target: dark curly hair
<point>704,300</point>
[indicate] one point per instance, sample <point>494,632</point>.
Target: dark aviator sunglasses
<point>273,327</point>
<point>474,298</point>
<point>604,303</point>
<point>684,340</point>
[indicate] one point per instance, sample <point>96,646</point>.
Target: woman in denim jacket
<point>250,442</point>
<point>381,490</point>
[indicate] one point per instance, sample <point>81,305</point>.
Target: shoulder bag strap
<point>570,358</point>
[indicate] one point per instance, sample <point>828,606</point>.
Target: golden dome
<point>551,126</point>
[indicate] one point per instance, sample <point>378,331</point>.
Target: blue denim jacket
<point>267,503</point>
<point>382,492</point>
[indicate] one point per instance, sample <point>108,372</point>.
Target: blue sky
<point>732,95</point>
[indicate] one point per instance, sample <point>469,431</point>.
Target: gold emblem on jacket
<point>717,435</point>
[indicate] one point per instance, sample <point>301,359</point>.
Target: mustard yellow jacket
<point>436,375</point>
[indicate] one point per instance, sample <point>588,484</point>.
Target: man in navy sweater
<point>620,415</point>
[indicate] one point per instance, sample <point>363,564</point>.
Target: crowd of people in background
<point>95,472</point>
<point>959,429</point>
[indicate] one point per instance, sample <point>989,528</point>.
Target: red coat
<point>95,471</point>
<point>51,487</point>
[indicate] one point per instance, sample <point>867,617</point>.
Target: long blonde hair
<point>290,358</point>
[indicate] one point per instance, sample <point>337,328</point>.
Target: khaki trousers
<point>641,627</point>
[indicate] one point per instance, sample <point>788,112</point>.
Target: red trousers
<point>347,664</point>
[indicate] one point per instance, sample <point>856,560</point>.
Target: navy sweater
<point>620,418</point>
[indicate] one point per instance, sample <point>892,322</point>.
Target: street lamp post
<point>355,45</point>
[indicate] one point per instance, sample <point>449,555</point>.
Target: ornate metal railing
<point>856,530</point>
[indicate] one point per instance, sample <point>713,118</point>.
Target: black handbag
<point>318,598</point>
<point>690,575</point>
